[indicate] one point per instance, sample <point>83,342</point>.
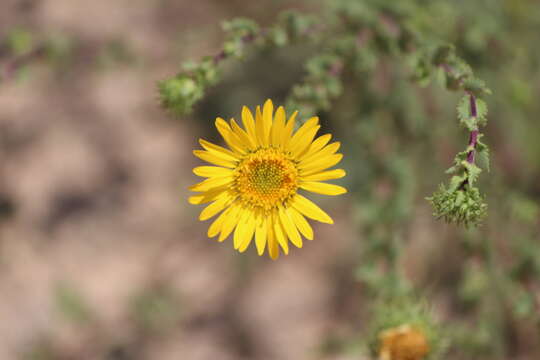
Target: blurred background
<point>101,256</point>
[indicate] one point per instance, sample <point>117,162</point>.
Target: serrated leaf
<point>481,111</point>
<point>473,172</point>
<point>483,158</point>
<point>456,181</point>
<point>189,65</point>
<point>476,86</point>
<point>443,53</point>
<point>464,114</point>
<point>463,108</point>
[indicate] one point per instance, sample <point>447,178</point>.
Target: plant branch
<point>11,66</point>
<point>246,40</point>
<point>473,137</point>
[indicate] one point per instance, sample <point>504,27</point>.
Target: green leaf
<point>483,158</point>
<point>295,24</point>
<point>456,182</point>
<point>442,54</point>
<point>481,111</point>
<point>239,27</point>
<point>476,86</point>
<point>473,172</point>
<point>464,114</point>
<point>179,94</point>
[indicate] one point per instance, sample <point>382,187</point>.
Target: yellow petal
<point>243,136</point>
<point>212,171</point>
<point>215,207</point>
<point>326,152</point>
<point>260,236</point>
<point>309,209</point>
<point>240,230</point>
<point>229,223</point>
<point>230,137</point>
<point>280,235</point>
<point>207,196</point>
<point>323,188</point>
<point>278,127</point>
<point>311,123</point>
<point>327,175</point>
<point>301,223</point>
<point>210,184</point>
<point>319,165</point>
<point>218,150</point>
<point>267,115</point>
<point>302,145</point>
<point>290,228</point>
<point>287,132</point>
<point>259,127</point>
<point>248,234</point>
<point>215,228</point>
<point>213,159</point>
<point>316,145</point>
<point>248,121</point>
<point>273,249</point>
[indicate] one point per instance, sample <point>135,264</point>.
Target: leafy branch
<point>180,93</point>
<point>461,201</point>
<point>353,39</point>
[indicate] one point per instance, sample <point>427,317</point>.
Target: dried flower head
<point>402,343</point>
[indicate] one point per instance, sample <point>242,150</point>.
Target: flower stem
<point>473,137</point>
<point>222,55</point>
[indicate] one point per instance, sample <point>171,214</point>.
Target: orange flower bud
<point>402,343</point>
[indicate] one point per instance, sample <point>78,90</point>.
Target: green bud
<point>405,328</point>
<point>179,94</point>
<point>463,205</point>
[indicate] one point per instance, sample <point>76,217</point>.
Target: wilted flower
<point>402,343</point>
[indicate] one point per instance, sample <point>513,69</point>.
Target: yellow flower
<point>403,343</point>
<point>256,181</point>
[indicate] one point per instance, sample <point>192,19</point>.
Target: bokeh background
<point>101,256</point>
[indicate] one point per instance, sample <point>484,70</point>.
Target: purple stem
<point>473,138</point>
<point>222,55</point>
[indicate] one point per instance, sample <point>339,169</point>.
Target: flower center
<point>266,178</point>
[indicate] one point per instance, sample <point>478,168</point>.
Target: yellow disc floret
<point>266,178</point>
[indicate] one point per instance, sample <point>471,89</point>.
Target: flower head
<point>403,343</point>
<point>255,182</point>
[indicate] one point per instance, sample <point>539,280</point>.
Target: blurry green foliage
<point>71,304</point>
<point>20,41</point>
<point>155,309</point>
